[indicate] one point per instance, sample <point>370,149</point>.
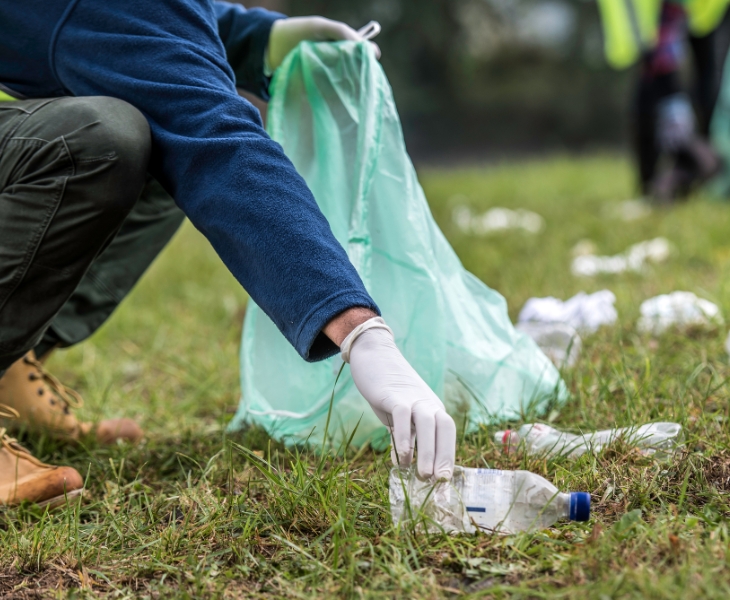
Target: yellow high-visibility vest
<point>5,97</point>
<point>705,15</point>
<point>629,28</point>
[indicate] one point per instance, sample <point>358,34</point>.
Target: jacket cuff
<point>245,35</point>
<point>261,80</point>
<point>311,343</point>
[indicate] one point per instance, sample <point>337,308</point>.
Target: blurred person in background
<point>117,119</point>
<point>670,125</point>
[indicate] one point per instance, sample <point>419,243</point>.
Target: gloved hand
<point>287,33</point>
<point>401,399</point>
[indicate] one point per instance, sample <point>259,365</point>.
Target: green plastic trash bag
<point>333,112</point>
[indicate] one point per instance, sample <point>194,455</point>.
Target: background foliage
<point>492,77</point>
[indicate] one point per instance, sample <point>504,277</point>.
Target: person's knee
<point>111,139</point>
<point>124,125</point>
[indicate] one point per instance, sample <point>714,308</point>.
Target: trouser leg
<point>71,170</point>
<point>147,229</point>
<point>651,90</point>
<point>644,138</point>
<point>706,82</point>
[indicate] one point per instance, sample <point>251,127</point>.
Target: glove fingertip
<point>425,473</point>
<point>444,474</point>
<point>405,457</point>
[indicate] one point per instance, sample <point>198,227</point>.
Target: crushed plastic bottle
<point>653,439</point>
<point>488,500</point>
<point>559,341</point>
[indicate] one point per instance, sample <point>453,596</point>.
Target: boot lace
<point>11,444</point>
<point>69,397</point>
<point>7,412</point>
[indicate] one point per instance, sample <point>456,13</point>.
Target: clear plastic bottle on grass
<point>487,500</point>
<point>659,439</point>
<point>559,341</point>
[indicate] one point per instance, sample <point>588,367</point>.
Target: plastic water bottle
<point>483,499</point>
<point>652,439</point>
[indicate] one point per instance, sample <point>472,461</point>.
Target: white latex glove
<point>401,399</point>
<point>287,33</point>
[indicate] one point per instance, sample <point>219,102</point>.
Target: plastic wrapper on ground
<point>678,309</point>
<point>583,312</point>
<point>634,259</point>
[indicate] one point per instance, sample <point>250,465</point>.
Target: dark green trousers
<point>144,233</point>
<point>80,219</point>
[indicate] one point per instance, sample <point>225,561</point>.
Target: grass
<point>196,513</point>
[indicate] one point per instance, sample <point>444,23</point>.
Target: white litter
<point>584,312</point>
<point>678,308</point>
<point>496,219</point>
<point>634,259</point>
<point>654,439</point>
<point>561,343</point>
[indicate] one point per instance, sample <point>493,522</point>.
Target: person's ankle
<point>44,350</point>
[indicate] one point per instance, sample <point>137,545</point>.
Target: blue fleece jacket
<point>170,59</point>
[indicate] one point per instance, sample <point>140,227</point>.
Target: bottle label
<point>483,494</point>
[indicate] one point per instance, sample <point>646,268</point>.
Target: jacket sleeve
<point>211,153</point>
<point>245,37</point>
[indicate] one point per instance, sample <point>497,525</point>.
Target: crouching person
<point>119,107</point>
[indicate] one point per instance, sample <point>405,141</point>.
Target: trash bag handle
<point>370,30</point>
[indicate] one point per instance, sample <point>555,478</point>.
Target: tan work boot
<point>43,403</point>
<point>24,478</point>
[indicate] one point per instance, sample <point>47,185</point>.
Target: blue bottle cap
<point>580,506</point>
